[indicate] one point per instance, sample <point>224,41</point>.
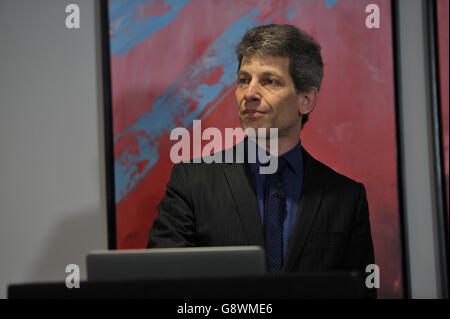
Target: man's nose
<point>252,92</point>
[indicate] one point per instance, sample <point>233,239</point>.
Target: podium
<point>284,286</point>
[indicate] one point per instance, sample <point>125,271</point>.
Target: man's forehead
<point>280,63</point>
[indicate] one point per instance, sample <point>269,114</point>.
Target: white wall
<point>52,189</point>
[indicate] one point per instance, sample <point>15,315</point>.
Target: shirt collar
<point>293,156</point>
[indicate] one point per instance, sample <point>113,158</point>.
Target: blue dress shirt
<point>292,182</point>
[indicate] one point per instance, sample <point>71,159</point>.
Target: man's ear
<point>307,101</point>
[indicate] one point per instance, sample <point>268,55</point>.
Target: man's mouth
<point>253,113</point>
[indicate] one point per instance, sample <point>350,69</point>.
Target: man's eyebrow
<point>269,73</point>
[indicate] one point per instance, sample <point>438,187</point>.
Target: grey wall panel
<point>52,202</point>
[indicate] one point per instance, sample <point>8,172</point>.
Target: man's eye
<point>270,81</point>
<point>243,81</point>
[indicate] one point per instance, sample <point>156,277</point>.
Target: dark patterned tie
<point>274,208</point>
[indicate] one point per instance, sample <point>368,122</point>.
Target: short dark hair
<point>306,65</point>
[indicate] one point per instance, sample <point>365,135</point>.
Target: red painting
<point>173,62</point>
<point>442,27</point>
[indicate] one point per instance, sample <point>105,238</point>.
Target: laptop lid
<point>164,263</point>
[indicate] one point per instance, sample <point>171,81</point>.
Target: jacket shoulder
<point>333,178</point>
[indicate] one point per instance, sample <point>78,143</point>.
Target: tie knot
<point>276,176</point>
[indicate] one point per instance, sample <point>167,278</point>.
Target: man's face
<point>266,95</point>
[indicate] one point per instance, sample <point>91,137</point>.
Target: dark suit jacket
<point>216,205</point>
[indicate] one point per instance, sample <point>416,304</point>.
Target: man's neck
<point>285,144</point>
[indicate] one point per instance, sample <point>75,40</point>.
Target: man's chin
<point>253,126</point>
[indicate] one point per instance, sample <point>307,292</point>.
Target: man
<point>306,216</point>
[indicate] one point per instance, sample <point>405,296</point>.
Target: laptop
<point>175,263</point>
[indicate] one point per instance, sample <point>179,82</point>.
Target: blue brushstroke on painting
<point>330,3</point>
<point>290,15</point>
<point>175,103</point>
<point>128,31</point>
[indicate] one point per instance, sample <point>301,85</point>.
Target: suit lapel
<point>246,202</point>
<point>312,191</point>
<point>239,181</point>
